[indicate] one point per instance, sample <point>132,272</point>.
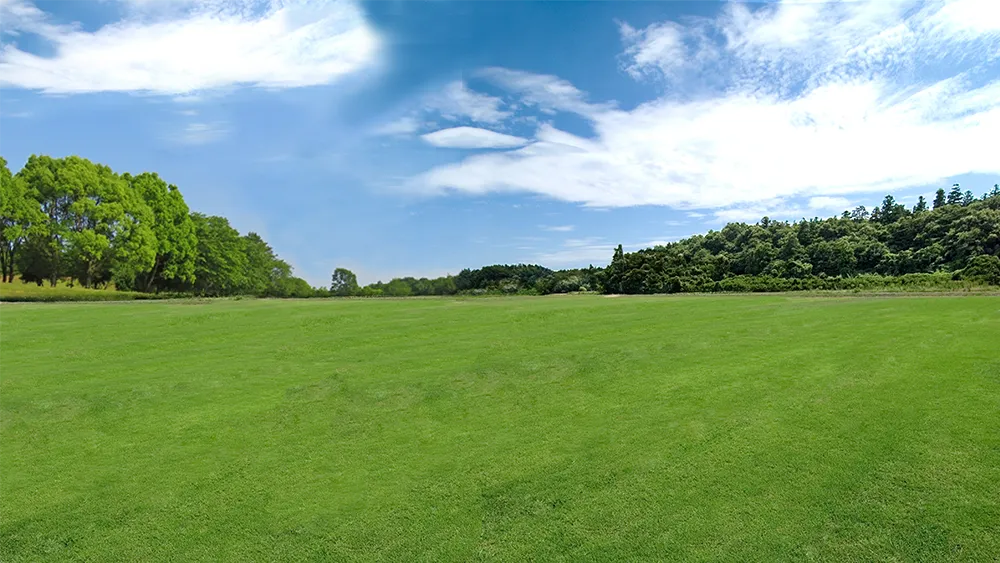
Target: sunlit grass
<point>738,428</point>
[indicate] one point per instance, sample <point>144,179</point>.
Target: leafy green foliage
<point>343,283</point>
<point>98,227</point>
<point>70,218</point>
<point>889,243</point>
<point>20,215</point>
<point>176,241</point>
<point>221,267</point>
<point>498,279</point>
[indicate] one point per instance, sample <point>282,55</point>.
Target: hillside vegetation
<point>959,239</point>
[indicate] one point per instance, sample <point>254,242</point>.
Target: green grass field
<point>19,291</point>
<point>733,428</point>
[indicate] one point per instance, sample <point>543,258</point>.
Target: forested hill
<point>956,237</point>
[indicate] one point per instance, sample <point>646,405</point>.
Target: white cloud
<point>203,133</point>
<point>406,125</point>
<point>827,202</point>
<point>590,250</point>
<point>659,46</point>
<point>472,138</point>
<point>548,93</point>
<point>558,228</point>
<point>819,100</point>
<point>576,252</point>
<point>456,101</point>
<point>189,46</point>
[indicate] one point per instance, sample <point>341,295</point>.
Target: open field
<point>738,428</point>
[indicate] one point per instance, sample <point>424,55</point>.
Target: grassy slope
<point>585,428</point>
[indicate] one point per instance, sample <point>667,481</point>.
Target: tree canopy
<point>69,218</point>
<point>890,241</point>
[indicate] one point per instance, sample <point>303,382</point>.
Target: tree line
<point>957,237</point>
<point>71,219</point>
<point>526,279</point>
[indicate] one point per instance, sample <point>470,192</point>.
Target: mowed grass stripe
<point>576,428</point>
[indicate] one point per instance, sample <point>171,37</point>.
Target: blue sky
<point>417,138</point>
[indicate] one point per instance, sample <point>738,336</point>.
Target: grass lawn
<point>736,428</point>
<point>19,291</point>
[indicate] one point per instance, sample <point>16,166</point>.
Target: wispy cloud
<point>548,93</point>
<point>181,47</point>
<point>202,133</point>
<point>579,252</point>
<point>811,100</point>
<point>406,125</point>
<point>558,228</point>
<point>456,101</point>
<point>821,205</point>
<point>17,114</point>
<point>472,138</point>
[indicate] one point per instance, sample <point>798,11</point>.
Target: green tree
<point>96,223</point>
<point>176,242</point>
<point>221,263</point>
<point>263,268</point>
<point>398,288</point>
<point>968,198</point>
<point>343,283</point>
<point>921,205</point>
<point>939,199</point>
<point>983,268</point>
<point>20,215</point>
<point>955,195</point>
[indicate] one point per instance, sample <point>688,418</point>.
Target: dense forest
<point>70,219</point>
<point>957,237</point>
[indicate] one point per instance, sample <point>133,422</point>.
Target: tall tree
<point>99,230</point>
<point>20,215</point>
<point>221,264</point>
<point>176,242</point>
<point>343,283</point>
<point>921,205</point>
<point>939,199</point>
<point>261,264</point>
<point>968,197</point>
<point>955,195</point>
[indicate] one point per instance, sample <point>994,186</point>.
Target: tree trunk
<point>152,275</point>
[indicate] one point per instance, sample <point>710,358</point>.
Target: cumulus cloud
<point>472,138</point>
<point>181,47</point>
<point>817,100</point>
